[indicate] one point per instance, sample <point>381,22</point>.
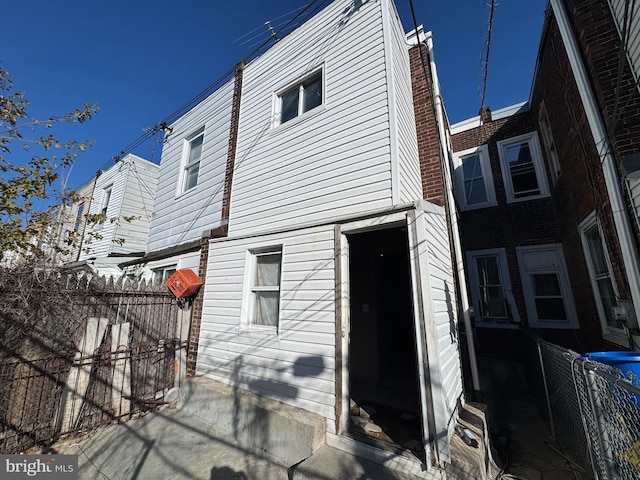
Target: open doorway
<point>383,381</point>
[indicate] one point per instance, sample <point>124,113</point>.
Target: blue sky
<point>141,61</point>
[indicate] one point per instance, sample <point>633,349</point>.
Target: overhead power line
<point>305,13</point>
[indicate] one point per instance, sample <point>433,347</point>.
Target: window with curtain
<point>265,288</point>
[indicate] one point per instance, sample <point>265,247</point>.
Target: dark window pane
<point>289,105</point>
<point>550,309</point>
<point>546,285</point>
<point>475,191</point>
<point>312,95</point>
<point>471,167</point>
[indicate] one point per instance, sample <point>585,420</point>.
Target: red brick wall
<point>196,311</point>
<point>507,225</point>
<point>580,189</point>
<point>426,127</point>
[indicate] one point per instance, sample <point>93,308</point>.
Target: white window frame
<point>299,84</point>
<point>250,289</point>
<point>549,144</point>
<point>545,266</point>
<point>163,270</point>
<point>618,336</point>
<point>105,200</point>
<point>474,288</point>
<point>536,158</point>
<point>187,164</point>
<point>482,152</point>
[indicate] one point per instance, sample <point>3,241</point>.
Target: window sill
<point>526,199</point>
<point>300,118</point>
<point>186,193</point>
<point>478,206</point>
<point>507,324</point>
<point>259,332</point>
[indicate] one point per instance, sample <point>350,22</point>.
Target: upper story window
<point>549,144</point>
<point>192,156</point>
<point>79,214</point>
<point>104,203</point>
<point>299,98</point>
<point>474,180</point>
<point>522,168</point>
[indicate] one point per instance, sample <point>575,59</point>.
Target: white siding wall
<point>297,366</point>
<point>182,217</point>
<point>101,247</point>
<point>336,159</point>
<point>633,39</point>
<point>69,222</point>
<point>408,181</point>
<point>139,194</point>
<point>445,315</point>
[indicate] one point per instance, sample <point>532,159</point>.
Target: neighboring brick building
<point>548,203</point>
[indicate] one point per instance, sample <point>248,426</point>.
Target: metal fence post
<point>546,390</point>
<point>600,422</point>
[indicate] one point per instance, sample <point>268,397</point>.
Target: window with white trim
<point>191,163</point>
<point>300,98</point>
<point>104,203</point>
<point>522,168</point>
<point>604,288</point>
<point>263,289</point>
<point>490,288</point>
<point>545,283</point>
<point>162,274</point>
<point>474,180</point>
<point>549,144</point>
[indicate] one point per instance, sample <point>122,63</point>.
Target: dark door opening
<point>383,382</point>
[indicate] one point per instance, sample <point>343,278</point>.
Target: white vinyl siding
<point>137,205</point>
<point>296,366</point>
<point>633,184</point>
<point>633,32</point>
<point>132,183</point>
<point>445,315</point>
<point>334,160</point>
<point>407,177</point>
<point>183,219</point>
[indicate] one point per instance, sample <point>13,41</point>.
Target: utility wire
<point>304,14</point>
<point>486,58</point>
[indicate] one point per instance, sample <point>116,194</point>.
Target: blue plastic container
<point>625,361</point>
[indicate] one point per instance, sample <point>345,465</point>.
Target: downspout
<point>600,137</point>
<point>453,219</point>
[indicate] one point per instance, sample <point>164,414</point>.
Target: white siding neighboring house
<point>191,185</point>
<point>123,195</point>
<point>333,283</point>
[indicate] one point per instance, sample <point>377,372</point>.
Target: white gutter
<point>427,39</point>
<point>601,140</point>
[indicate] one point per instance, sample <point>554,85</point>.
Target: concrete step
<point>330,463</point>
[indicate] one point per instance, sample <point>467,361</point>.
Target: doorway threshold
<point>404,462</point>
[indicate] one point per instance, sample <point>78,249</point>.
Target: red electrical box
<point>184,283</point>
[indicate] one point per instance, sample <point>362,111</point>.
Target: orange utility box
<point>184,283</point>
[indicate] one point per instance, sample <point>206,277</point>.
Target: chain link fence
<point>593,410</point>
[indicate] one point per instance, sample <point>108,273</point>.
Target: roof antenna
<point>271,29</point>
